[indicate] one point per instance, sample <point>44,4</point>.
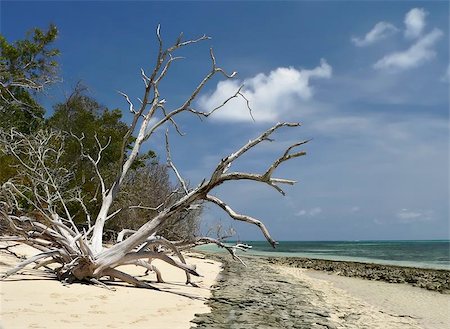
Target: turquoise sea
<point>419,253</point>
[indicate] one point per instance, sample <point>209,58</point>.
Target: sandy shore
<point>380,304</point>
<point>33,300</point>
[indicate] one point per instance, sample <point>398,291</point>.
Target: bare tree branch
<point>172,165</point>
<point>243,218</point>
<point>45,187</point>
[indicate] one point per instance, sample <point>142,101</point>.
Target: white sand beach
<point>33,300</point>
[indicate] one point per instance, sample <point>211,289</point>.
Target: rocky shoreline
<point>430,279</point>
<point>258,296</point>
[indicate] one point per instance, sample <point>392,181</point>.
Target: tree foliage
<point>41,181</point>
<point>26,66</point>
<point>145,191</point>
<point>87,125</point>
<point>81,117</point>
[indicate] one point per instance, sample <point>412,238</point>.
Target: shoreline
<point>426,278</point>
<point>271,292</point>
<point>272,295</point>
<point>434,279</point>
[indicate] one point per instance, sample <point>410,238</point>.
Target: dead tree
<point>80,253</point>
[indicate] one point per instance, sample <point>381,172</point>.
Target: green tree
<point>85,120</point>
<point>145,191</point>
<point>26,67</point>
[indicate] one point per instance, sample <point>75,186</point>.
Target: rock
<point>437,280</point>
<point>255,296</point>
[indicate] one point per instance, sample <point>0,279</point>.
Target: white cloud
<point>302,212</point>
<point>415,22</point>
<point>380,31</point>
<point>408,216</point>
<point>420,52</point>
<point>315,211</point>
<point>152,122</point>
<point>355,209</point>
<point>271,96</point>
<point>311,212</point>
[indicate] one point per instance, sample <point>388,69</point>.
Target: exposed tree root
<point>127,278</point>
<point>30,260</point>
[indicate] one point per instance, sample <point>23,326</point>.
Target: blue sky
<point>368,80</point>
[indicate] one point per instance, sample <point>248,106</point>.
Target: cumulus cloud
<point>419,53</point>
<point>311,212</point>
<point>408,216</point>
<point>415,22</point>
<point>271,95</point>
<point>380,31</point>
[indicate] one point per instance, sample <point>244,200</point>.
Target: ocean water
<point>426,254</point>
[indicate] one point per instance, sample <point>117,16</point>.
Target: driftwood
<point>80,253</point>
